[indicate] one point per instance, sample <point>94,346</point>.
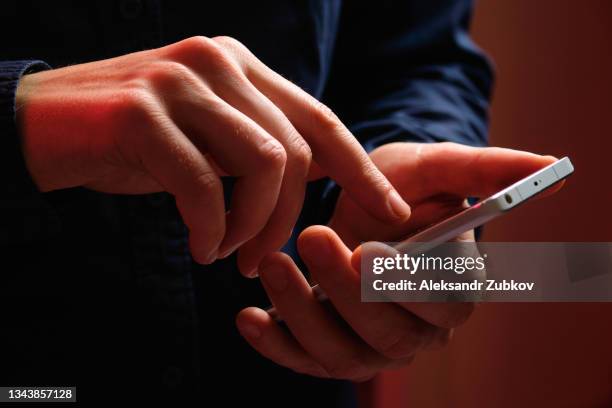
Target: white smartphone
<point>492,207</point>
<point>479,213</point>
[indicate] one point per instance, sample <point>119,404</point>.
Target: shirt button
<point>172,377</point>
<point>130,9</point>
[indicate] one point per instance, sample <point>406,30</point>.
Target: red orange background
<point>553,96</point>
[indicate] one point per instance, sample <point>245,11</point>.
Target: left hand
<point>355,340</point>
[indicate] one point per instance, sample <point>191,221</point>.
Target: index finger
<point>334,148</point>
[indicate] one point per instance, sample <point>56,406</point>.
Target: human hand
<point>435,179</point>
<point>177,118</point>
<point>355,340</point>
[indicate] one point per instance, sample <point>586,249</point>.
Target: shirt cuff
<point>25,215</point>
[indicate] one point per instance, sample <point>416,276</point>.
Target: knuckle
<point>301,155</point>
<point>325,118</point>
<point>273,154</point>
<point>204,188</point>
<point>229,42</point>
<point>133,116</point>
<point>210,49</point>
<point>206,182</point>
<point>170,74</point>
<point>236,49</point>
<point>135,104</point>
<point>204,50</point>
<point>198,45</point>
<point>373,173</point>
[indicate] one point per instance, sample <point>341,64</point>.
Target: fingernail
<point>398,206</point>
<point>253,273</point>
<point>211,257</point>
<point>228,252</point>
<point>250,331</point>
<point>275,277</point>
<point>316,252</point>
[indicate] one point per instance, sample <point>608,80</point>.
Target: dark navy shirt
<point>100,291</point>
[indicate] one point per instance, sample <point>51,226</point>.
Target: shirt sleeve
<point>25,215</point>
<point>408,71</point>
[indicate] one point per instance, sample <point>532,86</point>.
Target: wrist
<point>18,180</point>
<point>23,94</point>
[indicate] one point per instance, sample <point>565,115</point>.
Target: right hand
<point>177,118</point>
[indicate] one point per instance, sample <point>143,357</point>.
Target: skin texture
<point>349,339</point>
<point>177,119</point>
